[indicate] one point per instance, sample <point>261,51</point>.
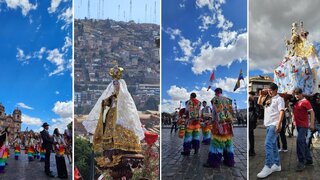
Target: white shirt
<point>206,111</point>
<point>272,111</point>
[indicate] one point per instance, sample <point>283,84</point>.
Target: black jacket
<point>47,141</point>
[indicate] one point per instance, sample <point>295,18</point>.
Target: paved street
<point>175,166</point>
<point>25,170</point>
<point>288,160</point>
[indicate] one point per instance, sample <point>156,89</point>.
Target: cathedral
<point>12,122</point>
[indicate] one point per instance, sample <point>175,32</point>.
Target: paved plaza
<point>22,169</point>
<point>289,159</point>
<point>175,166</point>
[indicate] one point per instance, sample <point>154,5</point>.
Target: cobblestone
<point>288,161</point>
<point>175,166</point>
<point>22,169</point>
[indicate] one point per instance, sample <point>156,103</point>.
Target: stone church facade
<point>11,121</point>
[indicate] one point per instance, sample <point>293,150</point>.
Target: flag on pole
<point>238,81</point>
<point>211,80</point>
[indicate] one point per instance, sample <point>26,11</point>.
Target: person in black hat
<point>47,145</point>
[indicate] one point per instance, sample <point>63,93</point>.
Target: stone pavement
<point>25,170</point>
<point>175,166</point>
<point>288,161</point>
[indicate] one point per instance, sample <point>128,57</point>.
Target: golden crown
<point>116,72</point>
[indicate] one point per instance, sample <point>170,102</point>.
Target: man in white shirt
<point>273,116</point>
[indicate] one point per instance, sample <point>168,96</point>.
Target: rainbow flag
<point>240,77</point>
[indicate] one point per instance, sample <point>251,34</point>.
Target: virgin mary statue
<point>115,123</point>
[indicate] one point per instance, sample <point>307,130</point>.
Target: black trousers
<point>61,167</point>
<point>47,162</point>
<point>174,126</point>
<point>251,140</point>
<point>283,135</point>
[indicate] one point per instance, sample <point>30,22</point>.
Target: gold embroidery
<point>114,136</point>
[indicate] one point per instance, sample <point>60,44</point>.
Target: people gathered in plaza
<point>217,130</point>
<point>32,147</point>
<point>305,116</point>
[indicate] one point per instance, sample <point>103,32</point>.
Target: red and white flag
<point>211,80</point>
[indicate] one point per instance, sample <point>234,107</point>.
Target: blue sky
<point>36,61</point>
<point>143,11</point>
<point>198,37</point>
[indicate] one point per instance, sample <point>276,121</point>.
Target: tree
<point>82,156</point>
<point>151,104</point>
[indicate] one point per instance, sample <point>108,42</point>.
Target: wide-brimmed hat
<point>45,124</point>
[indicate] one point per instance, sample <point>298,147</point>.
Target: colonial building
<point>12,122</point>
<point>257,83</point>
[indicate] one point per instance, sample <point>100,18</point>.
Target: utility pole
<point>88,9</point>
<point>145,13</point>
<point>130,10</point>
<point>155,12</point>
<point>119,12</point>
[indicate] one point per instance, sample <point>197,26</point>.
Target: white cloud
<point>57,92</point>
<point>28,120</point>
<point>69,65</point>
<point>185,45</point>
<point>269,25</point>
<point>56,58</point>
<point>181,94</point>
<point>222,22</point>
<point>169,105</point>
<point>211,57</point>
<point>217,16</point>
<point>227,37</point>
<point>203,3</point>
<point>178,94</point>
<point>173,33</point>
<point>22,105</point>
<point>206,22</point>
<point>25,5</point>
<point>54,6</point>
<point>60,123</point>
<point>39,54</point>
<point>67,43</point>
<point>63,109</point>
<point>182,5</point>
<point>227,84</point>
<point>20,55</point>
<point>30,19</point>
<point>53,56</point>
<point>197,43</point>
<point>66,16</point>
<point>233,43</point>
<point>38,28</point>
<point>25,58</point>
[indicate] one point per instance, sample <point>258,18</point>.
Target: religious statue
<point>301,55</point>
<point>115,123</point>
